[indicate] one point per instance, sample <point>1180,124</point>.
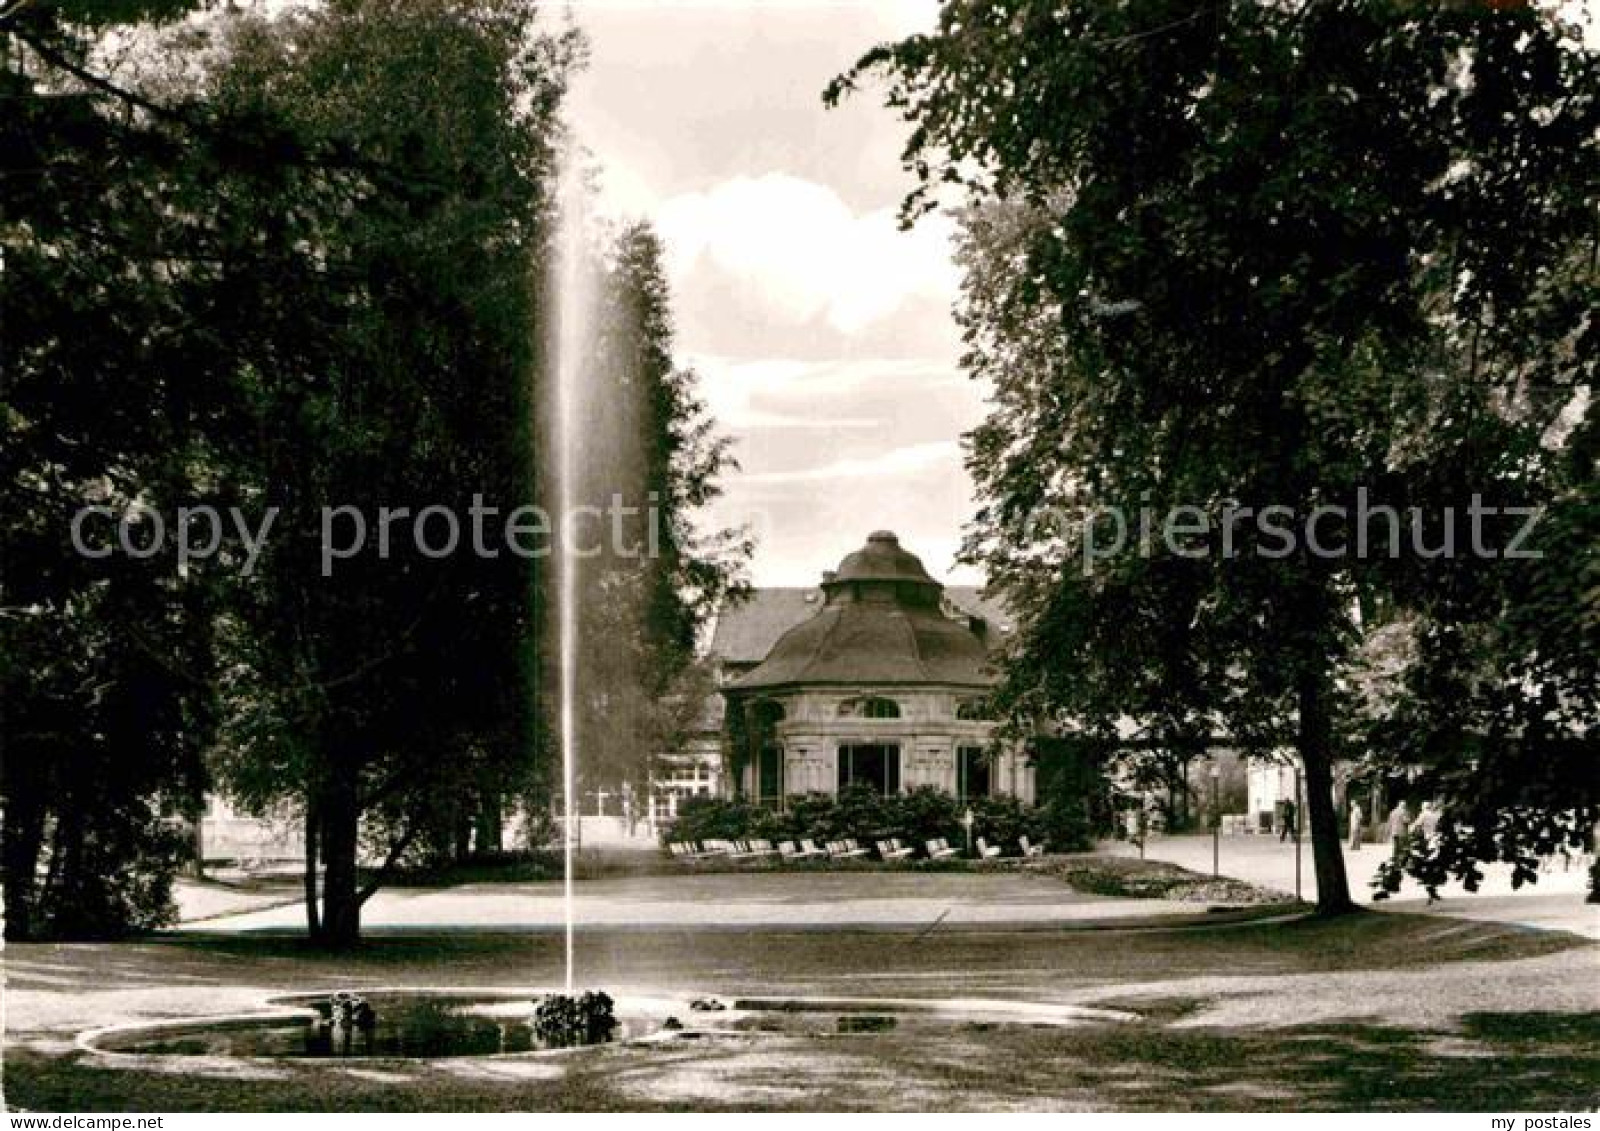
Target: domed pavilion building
<point>877,678</point>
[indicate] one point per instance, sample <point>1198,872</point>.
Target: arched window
<point>973,710</point>
<point>869,707</point>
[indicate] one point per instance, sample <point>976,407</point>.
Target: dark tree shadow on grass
<point>1495,1061</point>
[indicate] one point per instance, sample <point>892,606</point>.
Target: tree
<point>1233,258</point>
<point>108,393</point>
<point>650,445</point>
<point>390,365</point>
<point>1494,706</point>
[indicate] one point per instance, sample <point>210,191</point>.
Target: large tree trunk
<point>490,825</point>
<point>24,841</point>
<point>197,845</point>
<point>1594,868</point>
<point>1316,756</point>
<point>66,850</point>
<point>313,912</point>
<point>340,825</point>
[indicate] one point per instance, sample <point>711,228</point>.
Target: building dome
<point>882,623</point>
<point>881,559</point>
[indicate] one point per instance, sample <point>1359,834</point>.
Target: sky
<point>821,333</point>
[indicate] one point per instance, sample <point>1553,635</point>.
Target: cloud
<point>822,334</point>
<point>805,518</point>
<point>800,249</point>
<point>810,488</point>
<point>623,192</point>
<point>910,460</point>
<point>779,392</point>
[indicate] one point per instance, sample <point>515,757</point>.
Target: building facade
<point>877,676</point>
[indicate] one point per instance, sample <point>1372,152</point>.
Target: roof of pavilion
<point>878,619</point>
<point>747,629</point>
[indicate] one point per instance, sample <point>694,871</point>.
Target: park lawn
<point>1519,1058</point>
<point>648,876</point>
<point>1503,1061</point>
<point>1039,962</point>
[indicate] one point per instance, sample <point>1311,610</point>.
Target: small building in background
<point>697,769</point>
<point>877,676</point>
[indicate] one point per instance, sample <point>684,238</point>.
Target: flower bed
<point>1151,879</point>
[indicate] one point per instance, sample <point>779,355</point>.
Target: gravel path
<point>740,899</point>
<point>1556,902</point>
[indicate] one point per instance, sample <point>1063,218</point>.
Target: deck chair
<point>987,851</point>
<point>808,847</point>
<point>940,850</point>
<point>762,848</point>
<point>891,850</point>
<point>1029,848</point>
<point>683,850</point>
<point>842,850</point>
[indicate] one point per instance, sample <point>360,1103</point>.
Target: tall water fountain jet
<point>602,419</point>
<point>573,292</point>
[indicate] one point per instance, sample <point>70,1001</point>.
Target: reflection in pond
<point>421,1025</point>
<point>405,1026</point>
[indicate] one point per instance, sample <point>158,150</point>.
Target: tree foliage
<point>389,693</point>
<point>106,398</point>
<point>287,265</point>
<point>294,264</point>
<point>1253,255</point>
<point>655,580</point>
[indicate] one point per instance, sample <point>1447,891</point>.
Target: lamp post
<point>1216,825</point>
<point>967,821</point>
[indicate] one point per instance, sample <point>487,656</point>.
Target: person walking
<point>1289,826</point>
<point>1427,822</point>
<point>1357,818</point>
<point>1399,829</point>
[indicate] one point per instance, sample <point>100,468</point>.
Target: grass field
<point>1384,1011</point>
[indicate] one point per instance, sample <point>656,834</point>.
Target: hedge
<point>915,817</point>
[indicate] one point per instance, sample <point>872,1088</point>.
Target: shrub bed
<point>1153,879</point>
<point>915,817</point>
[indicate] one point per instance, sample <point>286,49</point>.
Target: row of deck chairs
<point>757,849</point>
<point>722,849</point>
<point>847,849</point>
<point>987,851</point>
